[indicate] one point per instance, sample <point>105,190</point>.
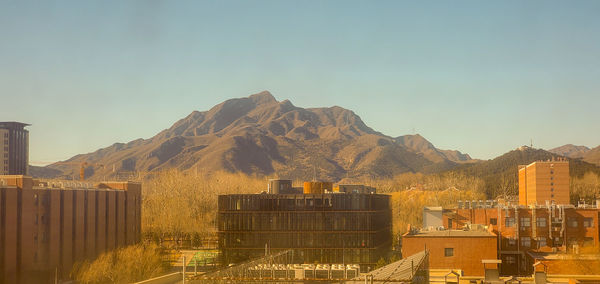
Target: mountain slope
<point>593,156</point>
<point>501,173</point>
<point>260,135</point>
<point>570,151</point>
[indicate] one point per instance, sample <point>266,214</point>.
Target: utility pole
<point>183,267</point>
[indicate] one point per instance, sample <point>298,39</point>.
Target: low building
<point>522,229</point>
<point>45,227</point>
<point>453,249</point>
<point>319,226</point>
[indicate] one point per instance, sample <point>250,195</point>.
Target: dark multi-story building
<point>14,148</point>
<point>45,227</point>
<point>319,226</point>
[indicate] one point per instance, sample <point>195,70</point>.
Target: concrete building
<point>14,148</point>
<point>45,227</point>
<point>453,249</point>
<point>544,182</point>
<point>319,225</point>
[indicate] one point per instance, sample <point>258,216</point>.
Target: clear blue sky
<point>482,77</point>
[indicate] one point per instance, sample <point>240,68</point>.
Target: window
<point>525,221</point>
<point>541,222</point>
<point>572,241</point>
<point>573,222</point>
<point>552,183</point>
<point>449,252</point>
<point>493,221</point>
<point>512,242</point>
<point>526,241</point>
<point>551,172</point>
<point>588,222</point>
<point>511,259</point>
<point>509,222</point>
<point>541,242</point>
<point>552,195</point>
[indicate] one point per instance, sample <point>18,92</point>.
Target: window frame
<point>539,224</point>
<point>448,252</point>
<point>507,223</point>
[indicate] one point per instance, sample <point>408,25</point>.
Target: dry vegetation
<point>181,205</point>
<point>586,187</point>
<point>411,192</point>
<point>124,265</point>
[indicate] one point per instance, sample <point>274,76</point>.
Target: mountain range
<point>579,152</point>
<point>259,135</point>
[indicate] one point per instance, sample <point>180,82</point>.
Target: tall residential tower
<point>14,148</point>
<point>541,182</point>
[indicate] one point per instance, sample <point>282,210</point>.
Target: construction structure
<point>45,227</point>
<point>317,224</point>
<point>412,269</point>
<point>14,148</point>
<point>544,182</point>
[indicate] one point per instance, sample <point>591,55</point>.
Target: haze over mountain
<point>260,135</point>
<point>579,152</point>
<point>570,150</point>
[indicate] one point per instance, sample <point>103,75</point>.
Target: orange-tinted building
<point>453,249</point>
<point>544,182</point>
<point>521,230</point>
<point>46,227</point>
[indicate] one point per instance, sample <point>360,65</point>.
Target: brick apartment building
<point>46,227</point>
<point>453,249</point>
<point>521,230</point>
<point>543,226</point>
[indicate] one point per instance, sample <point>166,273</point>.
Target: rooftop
<point>13,124</point>
<point>403,270</point>
<point>451,233</point>
<point>562,256</point>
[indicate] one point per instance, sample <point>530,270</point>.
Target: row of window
<point>542,242</point>
<point>572,222</point>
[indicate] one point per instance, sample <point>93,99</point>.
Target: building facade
<point>14,148</point>
<point>544,182</point>
<point>453,249</point>
<point>46,227</point>
<point>524,230</point>
<point>319,227</point>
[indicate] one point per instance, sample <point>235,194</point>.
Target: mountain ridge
<point>260,135</point>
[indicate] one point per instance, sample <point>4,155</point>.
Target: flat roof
<point>562,256</point>
<point>13,124</point>
<point>451,233</point>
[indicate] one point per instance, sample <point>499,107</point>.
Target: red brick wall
<point>468,252</point>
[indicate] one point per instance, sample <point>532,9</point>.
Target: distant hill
<point>584,153</point>
<point>593,156</point>
<point>501,173</point>
<point>262,136</point>
<point>570,151</point>
<point>44,172</point>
